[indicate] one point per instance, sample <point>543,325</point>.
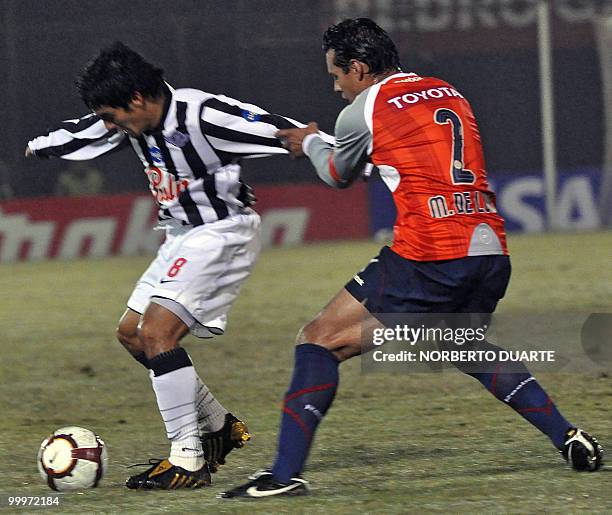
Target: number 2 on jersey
<point>459,175</point>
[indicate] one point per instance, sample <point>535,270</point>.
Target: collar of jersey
<point>395,76</point>
<point>167,91</point>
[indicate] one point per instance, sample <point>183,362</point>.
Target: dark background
<point>269,53</point>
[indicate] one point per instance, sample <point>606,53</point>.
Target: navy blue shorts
<point>393,284</point>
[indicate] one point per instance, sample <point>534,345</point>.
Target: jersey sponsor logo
<point>427,94</point>
<point>156,155</point>
<point>178,139</point>
<point>250,116</point>
<point>163,185</point>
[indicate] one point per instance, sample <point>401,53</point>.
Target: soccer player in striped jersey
<point>448,254</point>
<point>190,144</point>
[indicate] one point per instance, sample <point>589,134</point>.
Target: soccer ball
<point>72,458</point>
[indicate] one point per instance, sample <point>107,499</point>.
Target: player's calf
<point>160,330</point>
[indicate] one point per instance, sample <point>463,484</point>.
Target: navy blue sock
<point>312,390</point>
<point>520,390</point>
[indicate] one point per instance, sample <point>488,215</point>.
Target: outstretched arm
<point>77,140</point>
<point>341,163</point>
<point>237,129</point>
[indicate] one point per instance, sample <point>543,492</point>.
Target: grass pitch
<point>390,444</point>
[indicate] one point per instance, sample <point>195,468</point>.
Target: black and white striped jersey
<point>191,160</point>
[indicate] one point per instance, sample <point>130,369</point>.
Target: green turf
<point>391,443</point>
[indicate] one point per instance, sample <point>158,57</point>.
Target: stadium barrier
<point>71,227</point>
<point>98,226</point>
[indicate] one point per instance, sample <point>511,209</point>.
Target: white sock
<point>175,392</point>
<point>211,414</point>
<point>187,453</point>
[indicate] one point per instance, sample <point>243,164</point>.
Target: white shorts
<point>201,268</point>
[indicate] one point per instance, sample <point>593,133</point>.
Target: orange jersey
<point>426,144</point>
<point>422,135</point>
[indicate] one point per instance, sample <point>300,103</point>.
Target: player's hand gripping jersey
<point>422,135</point>
<point>190,159</point>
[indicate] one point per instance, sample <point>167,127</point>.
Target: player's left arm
<point>341,163</point>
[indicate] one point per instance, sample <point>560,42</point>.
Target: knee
<point>310,333</point>
<point>127,335</point>
<point>155,339</point>
<point>148,334</point>
<point>300,338</point>
<point>317,334</point>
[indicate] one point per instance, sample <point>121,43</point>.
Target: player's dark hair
<point>115,75</point>
<point>363,40</point>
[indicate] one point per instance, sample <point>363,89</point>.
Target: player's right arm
<point>77,140</point>
<point>340,164</point>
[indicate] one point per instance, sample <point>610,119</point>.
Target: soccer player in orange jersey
<point>448,255</point>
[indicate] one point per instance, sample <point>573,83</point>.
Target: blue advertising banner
<point>520,200</point>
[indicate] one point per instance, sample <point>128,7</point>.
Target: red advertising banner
<point>73,227</point>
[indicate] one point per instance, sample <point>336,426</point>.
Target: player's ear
<point>137,100</point>
<point>361,69</point>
